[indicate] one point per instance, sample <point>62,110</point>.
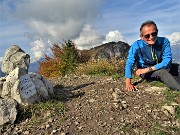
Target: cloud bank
<point>56,19</point>
<point>40,47</point>
<point>174,38</point>
<point>88,38</point>
<point>114,36</point>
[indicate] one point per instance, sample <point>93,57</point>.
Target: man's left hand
<point>141,71</point>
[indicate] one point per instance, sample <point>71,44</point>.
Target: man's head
<point>148,32</point>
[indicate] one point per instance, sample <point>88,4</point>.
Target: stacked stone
<point>19,86</point>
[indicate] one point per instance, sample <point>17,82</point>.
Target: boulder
<point>43,86</point>
<point>19,86</point>
<point>8,111</point>
<point>15,57</point>
<point>26,88</point>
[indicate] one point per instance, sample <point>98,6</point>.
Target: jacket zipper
<point>154,56</point>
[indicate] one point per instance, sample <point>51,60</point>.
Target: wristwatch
<point>150,69</point>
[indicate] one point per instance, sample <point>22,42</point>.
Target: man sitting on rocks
<point>153,57</point>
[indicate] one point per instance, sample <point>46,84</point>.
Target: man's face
<point>149,34</point>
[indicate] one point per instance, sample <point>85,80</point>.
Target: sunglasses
<point>152,34</point>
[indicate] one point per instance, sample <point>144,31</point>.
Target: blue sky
<point>35,25</point>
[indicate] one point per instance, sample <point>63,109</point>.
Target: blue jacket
<point>158,55</point>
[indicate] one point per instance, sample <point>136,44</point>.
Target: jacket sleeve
<point>130,60</point>
<point>166,56</point>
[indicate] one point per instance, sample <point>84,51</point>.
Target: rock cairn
<point>19,86</point>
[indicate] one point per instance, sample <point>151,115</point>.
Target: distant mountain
<point>33,67</point>
<point>109,50</point>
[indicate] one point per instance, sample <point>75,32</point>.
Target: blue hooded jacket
<point>158,55</point>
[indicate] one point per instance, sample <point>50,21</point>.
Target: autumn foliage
<point>64,61</point>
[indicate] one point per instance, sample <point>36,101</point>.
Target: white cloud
<point>174,38</point>
<point>56,19</point>
<point>88,38</point>
<point>39,48</point>
<point>114,36</point>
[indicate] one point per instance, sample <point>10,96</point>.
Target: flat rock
<point>155,89</point>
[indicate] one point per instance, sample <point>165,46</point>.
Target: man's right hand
<point>129,86</point>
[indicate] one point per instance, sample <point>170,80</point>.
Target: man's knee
<point>161,72</point>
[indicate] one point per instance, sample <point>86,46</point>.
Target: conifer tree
<point>70,57</point>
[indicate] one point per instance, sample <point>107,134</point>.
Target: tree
<point>70,57</point>
<point>64,61</point>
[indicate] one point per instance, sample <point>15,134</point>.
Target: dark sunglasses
<point>152,34</point>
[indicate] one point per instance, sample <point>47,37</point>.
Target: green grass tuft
<point>171,96</point>
<point>177,112</point>
<point>39,111</point>
<point>157,84</point>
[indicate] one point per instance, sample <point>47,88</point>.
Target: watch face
<point>150,69</point>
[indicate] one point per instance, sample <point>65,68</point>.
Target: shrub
<point>101,67</point>
<point>50,67</point>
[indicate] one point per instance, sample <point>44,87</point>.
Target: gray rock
<point>124,104</point>
<point>42,85</point>
<point>155,89</point>
<point>15,57</point>
<point>26,88</point>
<point>8,111</point>
<point>169,109</point>
<point>19,86</point>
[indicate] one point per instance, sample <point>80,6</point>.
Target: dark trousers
<point>170,77</point>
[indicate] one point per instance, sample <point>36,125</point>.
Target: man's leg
<point>177,78</point>
<point>166,78</point>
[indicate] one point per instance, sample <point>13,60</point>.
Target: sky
<point>35,25</point>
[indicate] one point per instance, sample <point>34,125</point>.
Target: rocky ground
<point>101,106</point>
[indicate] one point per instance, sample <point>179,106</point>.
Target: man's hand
<point>141,71</point>
<point>129,86</point>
